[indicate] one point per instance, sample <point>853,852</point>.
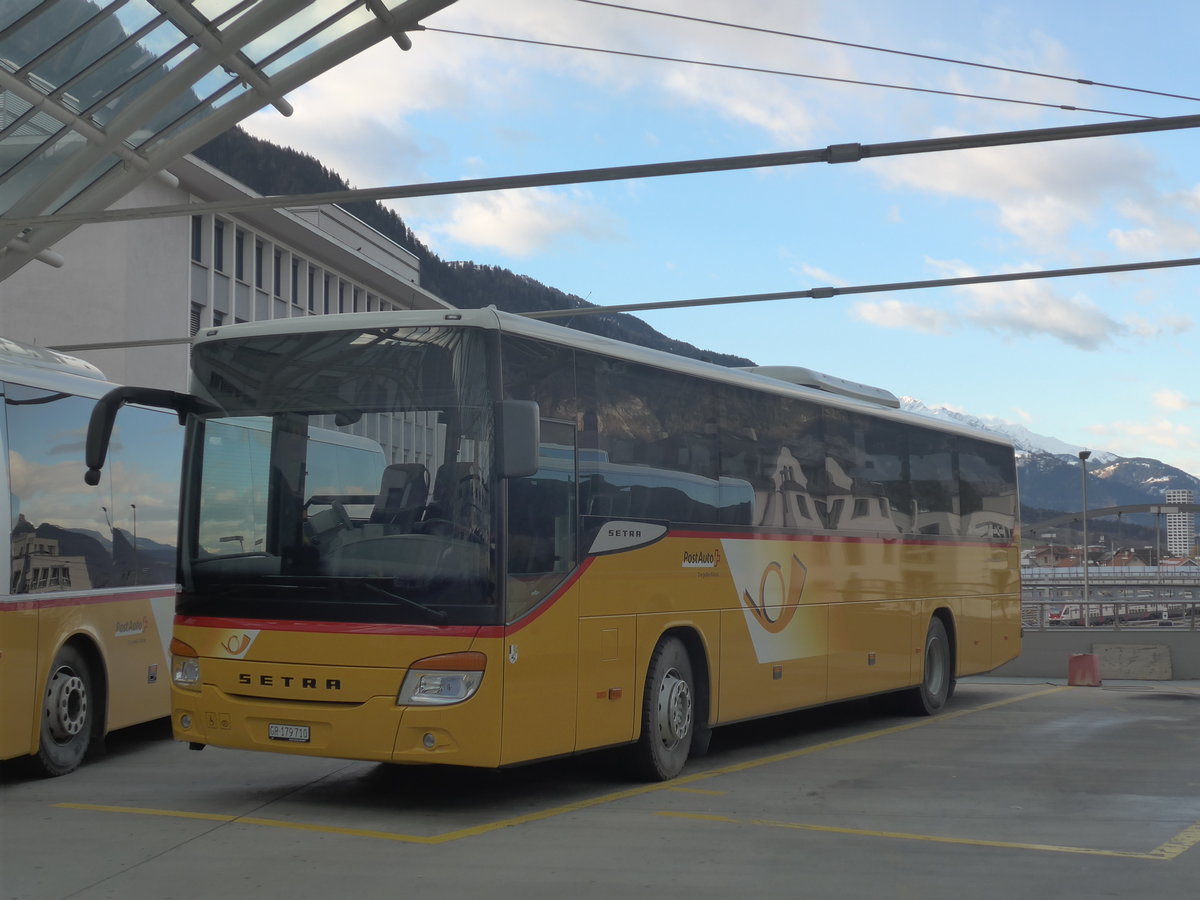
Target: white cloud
<point>1031,309</point>
<point>519,223</point>
<point>820,275</point>
<point>1172,400</point>
<point>1166,325</point>
<point>896,314</point>
<point>1039,192</point>
<point>1163,230</point>
<point>1158,436</point>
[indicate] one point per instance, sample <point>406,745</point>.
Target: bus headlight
<point>185,665</point>
<point>442,680</point>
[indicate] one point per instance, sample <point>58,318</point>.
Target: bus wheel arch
<point>674,715</point>
<point>937,670</point>
<point>73,708</point>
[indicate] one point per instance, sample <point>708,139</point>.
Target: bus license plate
<point>296,733</point>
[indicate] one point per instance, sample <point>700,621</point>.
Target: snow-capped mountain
<point>1023,439</point>
<point>1048,468</point>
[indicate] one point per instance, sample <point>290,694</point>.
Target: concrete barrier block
<point>1145,662</point>
<point>1083,670</point>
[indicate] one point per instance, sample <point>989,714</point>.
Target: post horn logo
<point>237,644</point>
<point>776,604</point>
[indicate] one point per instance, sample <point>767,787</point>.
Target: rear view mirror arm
<point>104,415</point>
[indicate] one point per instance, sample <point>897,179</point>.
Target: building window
<point>328,293</point>
<point>197,238</point>
<point>218,245</point>
<point>295,281</point>
<point>218,318</point>
<point>278,273</point>
<point>194,323</point>
<point>258,264</point>
<point>312,297</point>
<point>239,255</point>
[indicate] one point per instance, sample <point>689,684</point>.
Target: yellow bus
<point>89,583</point>
<point>576,544</point>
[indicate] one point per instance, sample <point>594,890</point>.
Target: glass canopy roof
<point>99,95</point>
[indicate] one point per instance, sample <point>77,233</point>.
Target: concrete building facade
<point>151,284</point>
<point>1181,526</point>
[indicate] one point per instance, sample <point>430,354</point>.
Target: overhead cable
<point>945,59</point>
<point>823,293</point>
<point>820,293</point>
<point>962,95</point>
<point>835,153</point>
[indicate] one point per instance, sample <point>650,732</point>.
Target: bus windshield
<point>343,476</point>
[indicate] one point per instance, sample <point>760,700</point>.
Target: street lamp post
<point>1083,458</point>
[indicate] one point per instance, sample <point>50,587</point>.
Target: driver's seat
<point>403,491</point>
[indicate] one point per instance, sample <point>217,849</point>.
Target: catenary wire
<point>945,59</point>
<point>962,95</point>
<point>822,293</point>
<point>833,154</point>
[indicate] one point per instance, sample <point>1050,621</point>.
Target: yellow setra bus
<point>575,543</point>
<point>88,590</point>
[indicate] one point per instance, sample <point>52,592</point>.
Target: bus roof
<point>787,380</point>
<point>16,356</point>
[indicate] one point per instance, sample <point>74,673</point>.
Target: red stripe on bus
<point>326,627</point>
<point>538,611</point>
<point>59,601</point>
<point>833,539</point>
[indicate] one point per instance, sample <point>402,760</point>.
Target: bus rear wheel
<point>668,713</point>
<point>937,679</point>
<point>68,713</point>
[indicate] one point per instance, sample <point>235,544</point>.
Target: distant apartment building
<point>151,282</point>
<point>1181,526</point>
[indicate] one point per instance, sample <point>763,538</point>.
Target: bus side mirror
<point>518,433</point>
<point>104,415</point>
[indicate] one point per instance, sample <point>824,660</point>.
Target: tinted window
<point>987,490</point>
<point>775,447</point>
<point>934,482</point>
<point>68,536</point>
<point>655,453</point>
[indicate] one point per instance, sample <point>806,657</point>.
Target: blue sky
<point>1107,362</point>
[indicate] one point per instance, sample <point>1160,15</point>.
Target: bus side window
<point>541,521</point>
<point>63,532</point>
<point>147,446</point>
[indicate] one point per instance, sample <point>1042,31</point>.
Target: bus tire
<point>668,713</point>
<point>937,676</point>
<point>69,712</point>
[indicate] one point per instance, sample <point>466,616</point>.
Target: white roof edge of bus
<point>21,355</point>
<point>514,323</point>
<point>831,383</point>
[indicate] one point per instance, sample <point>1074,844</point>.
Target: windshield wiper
<point>436,614</point>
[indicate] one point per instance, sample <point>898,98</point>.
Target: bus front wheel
<point>68,711</point>
<point>668,713</point>
<point>937,678</point>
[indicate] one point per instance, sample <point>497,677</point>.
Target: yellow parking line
<point>251,820</point>
<point>688,790</point>
<point>680,783</point>
<point>1183,841</point>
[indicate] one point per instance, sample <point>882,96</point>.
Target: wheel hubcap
<point>66,704</point>
<point>674,709</point>
<point>935,668</point>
